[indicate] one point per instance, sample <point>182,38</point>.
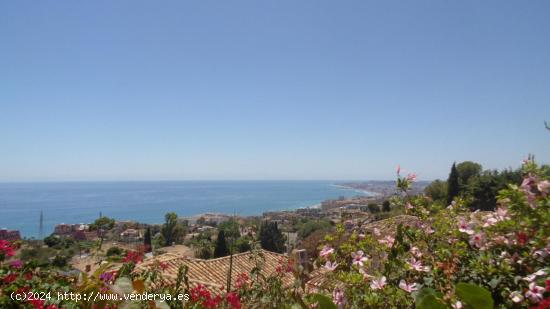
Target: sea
<point>148,201</point>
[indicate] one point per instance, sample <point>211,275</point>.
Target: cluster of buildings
<point>9,235</point>
<point>124,231</point>
<point>77,231</point>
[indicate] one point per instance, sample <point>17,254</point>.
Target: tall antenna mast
<point>41,226</point>
<point>229,275</point>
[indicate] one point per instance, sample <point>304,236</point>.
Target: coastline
<point>148,202</point>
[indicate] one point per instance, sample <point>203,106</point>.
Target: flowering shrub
<point>453,257</point>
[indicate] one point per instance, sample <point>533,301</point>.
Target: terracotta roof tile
<point>213,273</point>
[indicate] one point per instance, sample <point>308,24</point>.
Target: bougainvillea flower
<point>17,264</point>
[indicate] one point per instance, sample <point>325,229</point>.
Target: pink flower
<point>409,206</point>
<point>527,182</point>
<point>427,229</point>
<point>326,251</point>
<point>535,292</point>
<point>388,240</point>
<point>17,264</point>
<point>398,169</point>
<point>542,253</point>
<point>331,265</point>
<point>107,277</point>
<point>457,305</point>
<point>411,177</point>
<point>544,187</point>
<point>377,284</point>
<point>502,214</point>
<point>416,252</point>
<point>6,248</point>
<point>534,275</point>
<point>477,240</point>
<point>417,265</point>
<point>358,258</point>
<point>465,227</point>
<point>407,287</point>
<point>338,298</point>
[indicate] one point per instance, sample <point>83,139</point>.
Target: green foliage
<point>437,190</point>
<point>310,226</point>
<point>52,240</point>
<point>323,301</point>
<point>103,223</point>
<point>373,207</point>
<point>428,298</point>
<point>147,243</point>
<point>221,245</point>
<point>386,206</point>
<point>60,261</point>
<point>474,296</point>
<point>171,230</point>
<point>204,251</point>
<point>466,171</point>
<point>484,188</point>
<point>114,251</point>
<point>230,228</point>
<point>453,185</point>
<point>243,244</point>
<point>271,237</point>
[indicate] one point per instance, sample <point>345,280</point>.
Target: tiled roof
<point>213,273</point>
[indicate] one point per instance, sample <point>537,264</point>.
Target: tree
<point>466,171</point>
<point>221,245</point>
<point>147,240</point>
<point>103,223</point>
<point>483,189</point>
<point>386,206</point>
<point>52,241</point>
<point>243,244</point>
<point>453,185</point>
<point>114,251</point>
<point>171,231</point>
<point>437,190</point>
<point>271,238</point>
<point>230,228</point>
<point>373,207</point>
<point>204,250</point>
<point>307,228</point>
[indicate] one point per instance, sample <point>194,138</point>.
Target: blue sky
<point>132,90</point>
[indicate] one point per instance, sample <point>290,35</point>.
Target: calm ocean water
<point>81,202</point>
